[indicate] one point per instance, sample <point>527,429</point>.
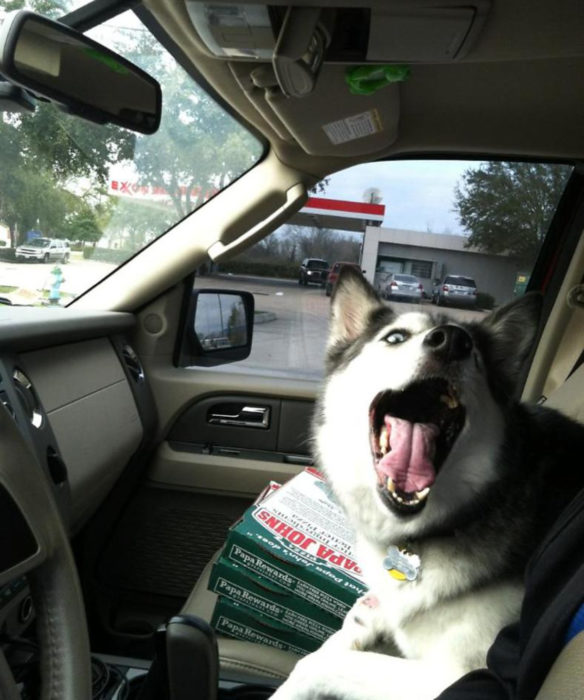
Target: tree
<point>82,225</point>
<point>199,148</point>
<point>133,223</point>
<point>292,243</point>
<point>507,207</point>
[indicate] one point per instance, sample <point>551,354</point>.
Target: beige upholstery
<point>565,681</point>
<point>569,398</point>
<point>239,661</point>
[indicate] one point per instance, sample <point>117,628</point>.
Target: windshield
<point>317,265</point>
<point>108,191</point>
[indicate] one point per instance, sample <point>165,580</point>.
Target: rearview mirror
<point>60,64</point>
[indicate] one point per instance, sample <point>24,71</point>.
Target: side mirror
<point>64,66</point>
<point>222,326</point>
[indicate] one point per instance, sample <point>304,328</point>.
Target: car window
<point>461,281</point>
<point>317,265</point>
<point>405,278</point>
<point>434,227</point>
<point>108,191</point>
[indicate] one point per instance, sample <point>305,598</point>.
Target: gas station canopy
<point>339,214</point>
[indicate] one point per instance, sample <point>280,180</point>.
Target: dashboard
<point>77,393</point>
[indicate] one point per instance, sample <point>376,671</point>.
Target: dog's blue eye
<point>396,337</point>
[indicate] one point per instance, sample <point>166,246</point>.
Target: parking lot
<point>295,340</point>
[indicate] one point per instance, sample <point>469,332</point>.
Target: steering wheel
<point>48,562</point>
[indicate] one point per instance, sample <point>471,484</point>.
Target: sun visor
<point>343,123</point>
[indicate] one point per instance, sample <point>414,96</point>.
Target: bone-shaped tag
<point>401,564</point>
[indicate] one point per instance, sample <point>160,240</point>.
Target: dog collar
<point>402,564</point>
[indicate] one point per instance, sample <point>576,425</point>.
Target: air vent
<point>133,364</point>
<point>5,401</point>
<point>28,398</point>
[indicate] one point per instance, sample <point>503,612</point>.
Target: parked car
<point>44,250</point>
<point>313,271</point>
<point>455,290</point>
<point>400,286</point>
<point>334,273</point>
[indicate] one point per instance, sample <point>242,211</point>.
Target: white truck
<point>44,250</point>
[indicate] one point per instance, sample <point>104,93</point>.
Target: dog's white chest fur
<point>440,613</point>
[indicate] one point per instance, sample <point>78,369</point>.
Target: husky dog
<point>448,481</point>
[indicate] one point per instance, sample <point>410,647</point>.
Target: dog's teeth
<point>384,440</point>
<point>421,495</point>
<point>390,485</point>
<point>449,400</point>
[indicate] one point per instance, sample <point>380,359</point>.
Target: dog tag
<point>401,564</point>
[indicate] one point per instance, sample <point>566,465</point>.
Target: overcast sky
<point>418,195</point>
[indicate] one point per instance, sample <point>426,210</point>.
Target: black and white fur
<point>505,478</point>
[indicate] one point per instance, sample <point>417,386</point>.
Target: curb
<point>263,317</point>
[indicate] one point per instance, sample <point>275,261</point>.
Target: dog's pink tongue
<point>409,463</point>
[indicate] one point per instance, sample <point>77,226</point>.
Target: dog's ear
<point>352,302</point>
<point>512,329</point>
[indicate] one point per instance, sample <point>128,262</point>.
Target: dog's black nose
<point>449,342</point>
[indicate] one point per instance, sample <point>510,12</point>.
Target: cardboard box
<point>298,538</point>
<point>271,600</point>
<point>232,620</point>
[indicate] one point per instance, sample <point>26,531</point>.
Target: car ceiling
<point>514,88</point>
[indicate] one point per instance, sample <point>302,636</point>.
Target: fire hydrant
<point>55,290</point>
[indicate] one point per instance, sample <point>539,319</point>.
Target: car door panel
<point>225,458</point>
<point>201,476</point>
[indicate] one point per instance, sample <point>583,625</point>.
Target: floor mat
<point>164,540</point>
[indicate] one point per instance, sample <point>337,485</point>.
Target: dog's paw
<point>304,681</point>
<point>363,675</point>
<point>317,677</point>
<point>363,627</point>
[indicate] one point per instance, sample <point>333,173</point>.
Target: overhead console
<point>343,64</point>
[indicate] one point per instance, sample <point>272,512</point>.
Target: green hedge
<point>7,254</point>
<point>282,270</point>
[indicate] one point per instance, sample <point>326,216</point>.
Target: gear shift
<point>186,663</point>
<point>192,659</point>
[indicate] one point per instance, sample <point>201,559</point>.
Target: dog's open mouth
<point>412,433</point>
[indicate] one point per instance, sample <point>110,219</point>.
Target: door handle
<point>244,417</point>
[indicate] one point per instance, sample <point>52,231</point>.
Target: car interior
<point>119,474</point>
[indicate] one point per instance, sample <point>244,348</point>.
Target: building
<point>430,256</point>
